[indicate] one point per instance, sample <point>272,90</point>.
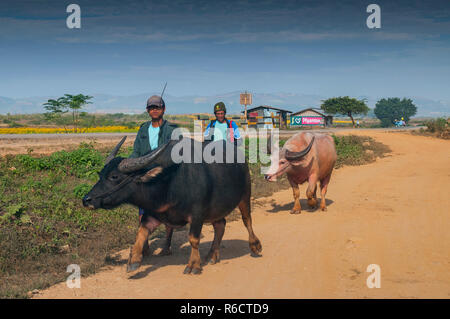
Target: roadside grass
<point>358,150</point>
<point>44,227</point>
<point>439,128</point>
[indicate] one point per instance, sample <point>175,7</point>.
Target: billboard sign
<point>246,99</point>
<point>307,120</point>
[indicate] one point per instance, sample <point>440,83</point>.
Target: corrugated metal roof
<point>319,111</point>
<point>267,107</point>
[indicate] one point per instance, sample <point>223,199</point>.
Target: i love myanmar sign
<point>306,120</point>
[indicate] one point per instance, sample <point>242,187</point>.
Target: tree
<point>390,109</point>
<point>56,109</point>
<point>346,106</point>
<point>75,103</point>
<point>62,105</point>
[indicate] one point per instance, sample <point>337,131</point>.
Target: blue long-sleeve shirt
<point>213,125</point>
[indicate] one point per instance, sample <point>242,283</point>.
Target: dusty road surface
<point>393,213</point>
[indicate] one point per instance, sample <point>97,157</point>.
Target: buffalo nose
<point>86,200</point>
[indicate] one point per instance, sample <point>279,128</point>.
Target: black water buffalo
<point>176,193</point>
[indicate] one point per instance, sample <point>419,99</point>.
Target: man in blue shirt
<point>221,128</point>
<point>152,134</point>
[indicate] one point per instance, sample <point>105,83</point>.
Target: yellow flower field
<point>58,130</point>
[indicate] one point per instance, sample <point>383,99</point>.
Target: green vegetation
<point>388,110</point>
<point>345,106</point>
<point>44,227</point>
<point>436,127</point>
<point>41,213</point>
<point>358,150</point>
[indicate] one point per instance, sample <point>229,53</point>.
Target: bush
<point>357,150</point>
<point>82,162</point>
<point>13,124</point>
<point>438,125</point>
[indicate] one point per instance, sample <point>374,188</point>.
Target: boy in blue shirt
<point>222,128</point>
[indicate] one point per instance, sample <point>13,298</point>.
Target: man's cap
<point>220,106</point>
<point>156,100</point>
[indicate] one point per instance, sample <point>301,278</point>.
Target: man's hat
<point>156,100</point>
<point>220,106</point>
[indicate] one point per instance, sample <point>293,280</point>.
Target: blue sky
<point>212,47</point>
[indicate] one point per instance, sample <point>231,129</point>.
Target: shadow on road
<point>181,250</point>
<point>303,202</point>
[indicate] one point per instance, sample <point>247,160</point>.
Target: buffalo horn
<point>129,165</point>
<point>115,150</point>
<point>297,155</point>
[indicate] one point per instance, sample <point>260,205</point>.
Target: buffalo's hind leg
<point>311,191</point>
<point>219,229</point>
<point>194,263</point>
<point>253,241</point>
<point>166,248</point>
<point>323,191</point>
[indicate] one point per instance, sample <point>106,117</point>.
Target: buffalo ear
<point>151,174</point>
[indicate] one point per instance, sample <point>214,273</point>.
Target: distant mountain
<point>105,103</point>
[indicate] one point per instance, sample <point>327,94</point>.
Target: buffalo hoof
<point>312,203</point>
<point>165,252</point>
<point>190,270</point>
<point>196,271</point>
<point>187,270</point>
<point>324,209</point>
<point>133,267</point>
<point>212,258</point>
<point>214,261</point>
<point>296,211</point>
<point>256,248</point>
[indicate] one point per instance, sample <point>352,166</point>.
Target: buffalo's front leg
<point>323,189</point>
<point>194,263</point>
<point>296,192</point>
<point>146,247</point>
<point>148,225</point>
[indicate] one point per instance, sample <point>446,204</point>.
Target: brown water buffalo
<point>306,157</point>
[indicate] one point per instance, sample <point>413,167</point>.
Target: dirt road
<point>393,213</point>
